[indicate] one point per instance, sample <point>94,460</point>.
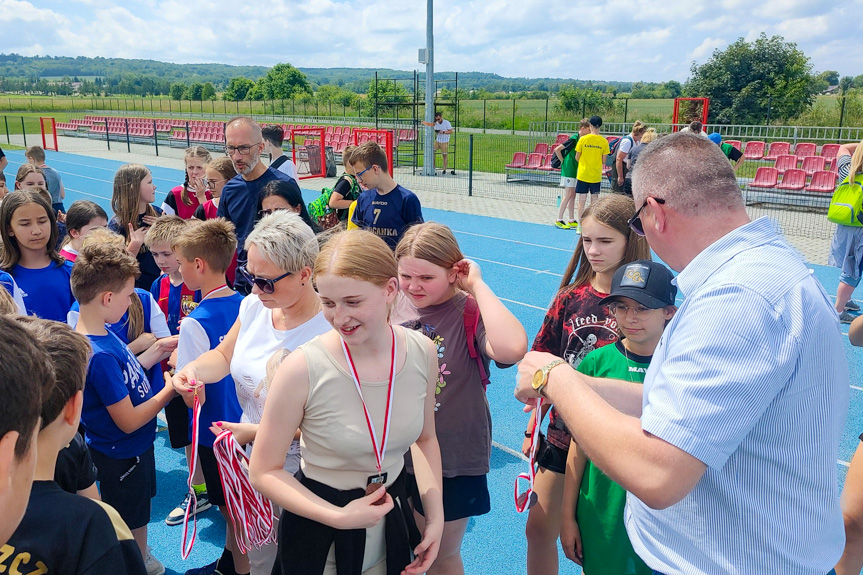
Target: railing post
<point>6,123</point>
<point>470,165</point>
<point>188,137</point>
<point>155,138</point>
<point>128,141</point>
<point>24,131</point>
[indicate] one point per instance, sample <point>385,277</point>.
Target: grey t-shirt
<point>53,181</point>
<point>462,416</point>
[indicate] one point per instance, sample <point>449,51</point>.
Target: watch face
<point>537,378</point>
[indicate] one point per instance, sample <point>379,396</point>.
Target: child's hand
<point>61,217</point>
<point>468,275</point>
<point>136,237</point>
<point>526,445</point>
<point>149,220</point>
<point>570,540</point>
<point>172,360</point>
<point>165,346</point>
<point>199,187</point>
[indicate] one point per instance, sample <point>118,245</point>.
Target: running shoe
<point>852,305</point>
<point>175,517</point>
<point>561,224</point>
<point>153,565</point>
<point>846,317</point>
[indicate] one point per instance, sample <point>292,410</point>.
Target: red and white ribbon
<point>380,449</point>
<point>188,543</point>
<point>523,503</point>
<point>250,512</point>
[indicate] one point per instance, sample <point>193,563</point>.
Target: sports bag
<point>846,205</point>
<point>321,212</point>
<point>566,149</point>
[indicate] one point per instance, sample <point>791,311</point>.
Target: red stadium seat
<point>829,151</point>
<point>765,178</point>
<point>753,150</point>
<point>778,149</point>
<point>812,164</point>
<point>561,138</point>
<point>534,160</point>
<point>540,148</point>
<point>804,149</point>
<point>518,160</point>
<point>823,181</point>
<point>793,179</point>
<point>785,162</point>
<point>735,143</point>
<point>546,163</point>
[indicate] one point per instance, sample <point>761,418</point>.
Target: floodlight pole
<point>428,140</point>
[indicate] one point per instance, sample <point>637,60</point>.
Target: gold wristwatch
<point>540,378</point>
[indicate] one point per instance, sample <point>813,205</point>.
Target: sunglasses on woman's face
<point>267,286</point>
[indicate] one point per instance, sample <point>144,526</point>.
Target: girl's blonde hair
<point>127,196</point>
<point>7,303</point>
<point>11,253</point>
<point>613,211</point>
<point>24,171</point>
<point>432,242</point>
<point>649,136</point>
<point>856,163</point>
<point>135,317</point>
<point>201,153</point>
<point>357,254</point>
<point>224,166</point>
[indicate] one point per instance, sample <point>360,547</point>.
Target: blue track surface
<point>522,263</point>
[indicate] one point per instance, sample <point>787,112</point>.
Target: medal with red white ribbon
<point>525,498</point>
<point>189,542</point>
<point>376,482</point>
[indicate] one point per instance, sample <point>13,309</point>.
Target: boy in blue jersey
<point>120,406</point>
<point>88,536</point>
<point>176,301</point>
<point>205,252</point>
<point>386,209</point>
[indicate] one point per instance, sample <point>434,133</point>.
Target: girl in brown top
<point>361,395</point>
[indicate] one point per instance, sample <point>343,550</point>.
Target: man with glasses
<point>239,201</point>
<point>729,451</point>
<point>386,209</point>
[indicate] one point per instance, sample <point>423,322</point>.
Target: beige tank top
<point>335,442</point>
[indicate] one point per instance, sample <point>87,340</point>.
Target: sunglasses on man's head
<point>267,286</point>
<point>635,221</point>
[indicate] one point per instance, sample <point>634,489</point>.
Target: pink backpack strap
<point>471,324</point>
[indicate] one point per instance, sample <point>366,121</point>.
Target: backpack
<point>846,205</point>
<point>613,145</point>
<point>321,212</point>
<point>566,149</point>
<point>471,324</point>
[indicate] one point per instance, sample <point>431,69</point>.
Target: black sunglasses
<point>635,221</point>
<point>265,285</point>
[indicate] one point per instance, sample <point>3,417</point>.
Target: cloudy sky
<point>651,40</point>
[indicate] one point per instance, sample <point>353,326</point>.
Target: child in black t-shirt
<point>62,533</point>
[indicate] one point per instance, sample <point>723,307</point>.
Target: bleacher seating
<point>753,150</point>
<point>765,177</point>
<point>546,163</point>
<point>829,151</point>
<point>519,159</point>
<point>822,182</point>
<point>735,143</point>
<point>540,148</point>
<point>561,138</point>
<point>793,179</point>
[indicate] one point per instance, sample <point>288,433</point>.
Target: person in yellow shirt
<point>590,153</point>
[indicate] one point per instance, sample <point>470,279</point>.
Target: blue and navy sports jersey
<point>388,215</point>
<point>47,291</point>
<point>176,302</point>
<point>216,316</point>
<point>112,375</point>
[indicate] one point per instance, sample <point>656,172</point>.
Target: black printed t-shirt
<point>574,325</point>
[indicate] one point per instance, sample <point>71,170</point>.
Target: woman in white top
<point>282,312</point>
<point>362,395</point>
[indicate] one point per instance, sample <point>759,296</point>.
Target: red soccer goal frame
<point>705,104</point>
<point>301,154</point>
<point>53,132</point>
<point>377,136</point>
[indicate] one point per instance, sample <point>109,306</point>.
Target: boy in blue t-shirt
<point>205,252</point>
<point>176,301</point>
<point>120,406</point>
<point>386,209</point>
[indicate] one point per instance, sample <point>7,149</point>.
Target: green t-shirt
<point>569,167</point>
<point>607,550</point>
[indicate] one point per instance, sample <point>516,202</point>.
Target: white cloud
<point>652,40</point>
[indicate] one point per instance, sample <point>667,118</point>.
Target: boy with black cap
<point>593,533</point>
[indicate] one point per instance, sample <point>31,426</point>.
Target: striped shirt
<point>750,377</point>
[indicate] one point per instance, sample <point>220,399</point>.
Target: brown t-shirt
<point>462,416</point>
<point>574,325</point>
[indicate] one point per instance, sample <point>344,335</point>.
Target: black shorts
<point>627,186</point>
<point>550,456</point>
<point>127,485</point>
<point>463,496</point>
<point>177,416</point>
<point>587,188</point>
<point>210,469</point>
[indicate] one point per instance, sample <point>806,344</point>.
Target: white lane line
<point>546,272</point>
<point>857,388</point>
<point>845,463</point>
<point>522,303</point>
<point>514,241</point>
<point>510,451</point>
<point>88,194</point>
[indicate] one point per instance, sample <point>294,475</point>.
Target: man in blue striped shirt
<point>729,454</point>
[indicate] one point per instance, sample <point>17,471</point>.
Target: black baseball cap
<point>645,281</point>
<point>595,121</point>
